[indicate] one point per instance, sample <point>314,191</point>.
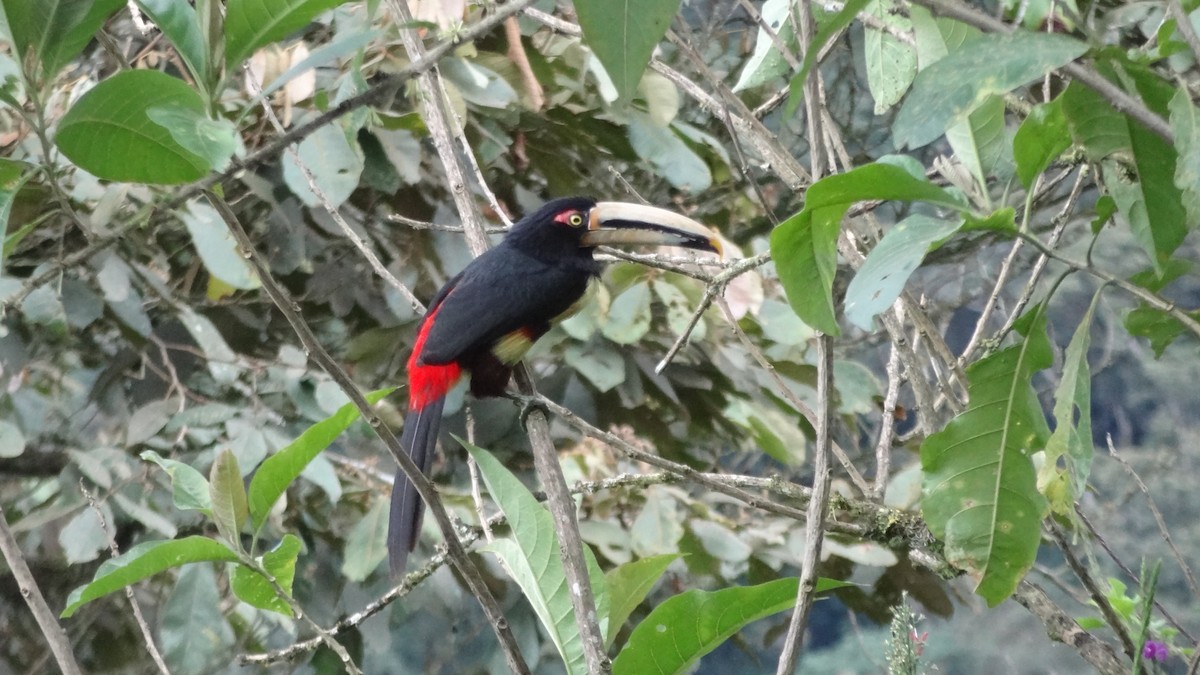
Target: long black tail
<point>419,439</point>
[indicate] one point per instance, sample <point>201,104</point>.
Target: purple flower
<point>1155,651</point>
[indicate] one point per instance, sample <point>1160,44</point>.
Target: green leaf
<point>478,84</point>
<point>83,537</point>
<point>686,627</point>
<point>949,90</point>
<point>109,133</point>
<point>980,491</point>
<point>189,487</point>
<point>1039,141</point>
<point>144,561</point>
<point>49,33</point>
<point>221,360</point>
<point>767,63</point>
<point>340,47</point>
<point>13,175</point>
<point>658,526</point>
<point>194,635</point>
<point>979,142</point>
<point>623,35</point>
<point>1001,220</point>
<point>937,36</point>
<point>670,156</point>
<point>1150,201</point>
<point>250,24</point>
<point>628,585</point>
<point>777,434</point>
<point>678,305</point>
<point>178,22</point>
<point>628,317</point>
<point>1185,123</point>
<point>1097,126</point>
<point>279,470</point>
<point>366,544</point>
<point>148,420</point>
<point>805,246</point>
<point>889,265</point>
<point>1157,326</point>
<point>805,251</point>
<point>600,364</point>
<point>280,562</point>
<point>1139,172</point>
<point>876,181</point>
<point>826,32</point>
<point>217,247</point>
<point>1072,439</point>
<point>891,64</point>
<point>214,140</point>
<point>533,559</point>
<point>12,441</point>
<point>228,494</point>
<point>334,163</point>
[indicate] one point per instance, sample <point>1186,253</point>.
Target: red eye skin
<point>566,218</point>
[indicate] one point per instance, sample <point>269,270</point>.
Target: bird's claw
<point>528,405</point>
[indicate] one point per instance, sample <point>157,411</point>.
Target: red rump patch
<point>427,383</point>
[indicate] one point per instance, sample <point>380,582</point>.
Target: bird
<point>485,318</point>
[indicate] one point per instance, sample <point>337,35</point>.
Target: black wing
<point>500,292</point>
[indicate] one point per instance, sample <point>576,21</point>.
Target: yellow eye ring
<point>575,220</point>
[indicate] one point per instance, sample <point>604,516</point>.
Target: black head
<point>571,226</point>
<point>553,231</point>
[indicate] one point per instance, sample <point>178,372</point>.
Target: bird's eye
<point>575,220</point>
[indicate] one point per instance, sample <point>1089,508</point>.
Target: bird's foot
<point>528,405</point>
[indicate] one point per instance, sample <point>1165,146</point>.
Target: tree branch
<point>818,506</point>
<point>60,644</point>
<point>1060,627</point>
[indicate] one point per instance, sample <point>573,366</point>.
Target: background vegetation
<point>948,359</point>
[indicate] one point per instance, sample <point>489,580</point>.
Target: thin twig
<point>780,47</point>
<point>1140,293</point>
<point>359,243</point>
<point>1129,573</point>
<point>1183,24</point>
<point>476,483</point>
<point>298,613</point>
<point>422,225</point>
<point>710,292</point>
<point>887,427</point>
<point>993,301</point>
<point>1060,226</point>
<point>60,644</point>
<point>818,506</point>
<point>1111,617</point>
<point>813,102</point>
<point>790,396</point>
<point>113,550</point>
<point>1158,520</point>
<point>766,142</point>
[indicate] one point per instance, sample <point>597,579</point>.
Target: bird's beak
<point>622,224</point>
